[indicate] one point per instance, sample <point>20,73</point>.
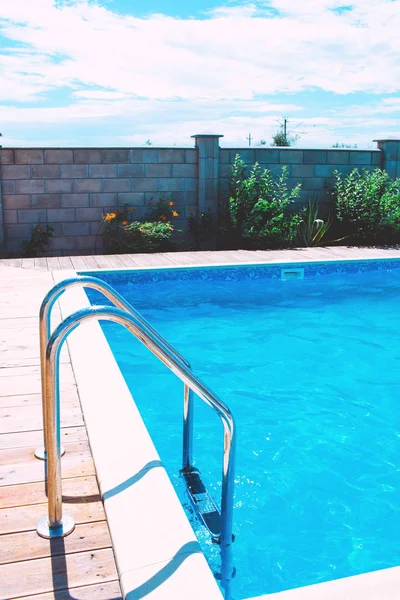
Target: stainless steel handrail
<point>56,524</point>
<point>119,301</point>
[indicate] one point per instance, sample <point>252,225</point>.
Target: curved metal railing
<point>56,524</point>
<point>119,301</point>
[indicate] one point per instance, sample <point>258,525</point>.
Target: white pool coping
<point>156,551</point>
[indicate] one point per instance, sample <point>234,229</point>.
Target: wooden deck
<point>81,566</point>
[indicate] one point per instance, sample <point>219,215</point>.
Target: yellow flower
<point>170,203</point>
<point>163,218</point>
<point>175,214</point>
<point>112,216</point>
<point>124,222</point>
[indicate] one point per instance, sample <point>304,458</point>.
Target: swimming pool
<point>310,369</point>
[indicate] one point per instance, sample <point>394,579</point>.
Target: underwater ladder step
<point>203,504</point>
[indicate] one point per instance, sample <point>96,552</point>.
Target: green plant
<point>202,228</point>
<point>258,207</point>
<point>280,139</point>
<point>311,229</point>
<point>38,241</point>
<point>153,234</point>
<point>368,206</point>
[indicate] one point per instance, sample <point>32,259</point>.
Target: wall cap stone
<point>207,135</point>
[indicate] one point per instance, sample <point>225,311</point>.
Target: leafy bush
<point>124,234</point>
<point>368,206</point>
<point>258,208</point>
<point>203,230</point>
<point>38,241</point>
<point>311,229</point>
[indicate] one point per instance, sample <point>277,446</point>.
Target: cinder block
<point>76,228</point>
<point>191,156</point>
<point>145,185</point>
<point>16,201</point>
<point>32,216</point>
<point>58,157</point>
<point>171,185</point>
<point>59,185</point>
<point>6,157</point>
<point>59,215</point>
<point>29,186</point>
<point>10,216</point>
<point>19,231</point>
<point>159,170</point>
<point>74,200</point>
<point>317,157</point>
<point>103,199</point>
<point>171,155</point>
<point>377,158</point>
<point>102,170</point>
<point>288,157</point>
<point>248,156</point>
<point>391,168</point>
<point>130,170</point>
<point>88,185</point>
<point>149,155</point>
<point>74,171</point>
<point>326,170</point>
<point>87,156</point>
<point>302,171</point>
<point>191,185</point>
<point>267,156</point>
<point>338,157</point>
<point>63,243</point>
<point>89,214</point>
<point>314,184</point>
<point>184,170</point>
<point>132,198</point>
<point>86,243</point>
<point>28,156</point>
<point>45,171</point>
<point>191,198</point>
<point>225,171</point>
<point>116,156</point>
<point>15,172</point>
<point>116,185</point>
<point>46,200</point>
<point>224,157</point>
<point>391,150</point>
<point>360,157</point>
<point>8,186</point>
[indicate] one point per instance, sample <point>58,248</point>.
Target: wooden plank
<point>17,456</point>
<point>29,546</point>
<point>152,260</point>
<point>90,262</point>
<point>100,591</point>
<point>65,263</point>
<point>25,518</point>
<point>79,489</point>
<point>28,263</point>
<point>68,397</point>
<point>15,262</point>
<point>78,262</point>
<point>66,372</point>
<point>21,418</point>
<point>32,439</point>
<point>128,261</point>
<point>35,470</point>
<point>41,263</point>
<point>58,573</point>
<point>53,263</point>
<point>102,261</point>
<point>115,261</point>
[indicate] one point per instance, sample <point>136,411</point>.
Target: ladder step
<point>203,504</point>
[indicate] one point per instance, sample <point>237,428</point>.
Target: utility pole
<point>249,138</point>
<point>285,128</point>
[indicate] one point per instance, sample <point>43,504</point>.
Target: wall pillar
<point>391,156</point>
<point>208,155</point>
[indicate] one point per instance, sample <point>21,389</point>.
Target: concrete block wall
<point>70,188</point>
<point>312,168</point>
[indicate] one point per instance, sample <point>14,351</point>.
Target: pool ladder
<point>57,524</point>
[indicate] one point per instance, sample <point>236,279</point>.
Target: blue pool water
<point>311,370</point>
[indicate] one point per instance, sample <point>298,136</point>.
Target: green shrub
<point>368,206</point>
<point>38,241</point>
<point>203,230</point>
<point>258,208</point>
<point>153,234</point>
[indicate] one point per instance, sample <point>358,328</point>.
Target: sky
<point>124,72</point>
